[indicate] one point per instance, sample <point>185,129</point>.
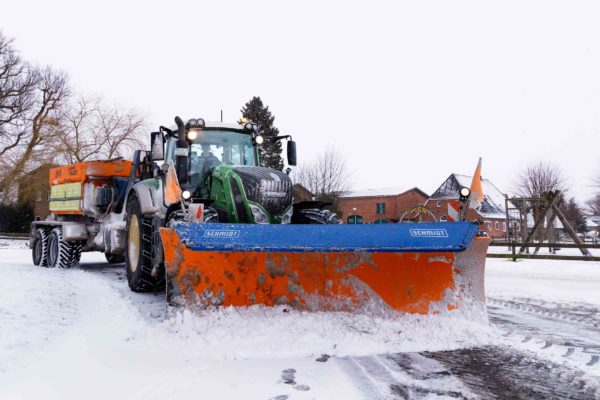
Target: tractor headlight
<point>186,194</point>
<point>260,217</point>
<point>192,134</point>
<point>259,139</point>
<point>287,217</point>
<point>464,193</point>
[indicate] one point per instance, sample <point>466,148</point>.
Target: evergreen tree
<point>270,151</point>
<point>574,214</point>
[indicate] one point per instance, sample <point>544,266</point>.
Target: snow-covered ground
<point>71,334</point>
<point>552,280</point>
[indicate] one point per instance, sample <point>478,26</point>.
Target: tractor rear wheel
<point>39,247</point>
<point>62,254</point>
<point>139,254</point>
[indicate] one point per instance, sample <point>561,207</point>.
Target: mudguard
<point>415,268</point>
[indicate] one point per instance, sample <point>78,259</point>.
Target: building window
<point>489,224</point>
<point>380,208</point>
<point>497,224</point>
<point>504,226</point>
<point>443,218</point>
<point>438,204</point>
<point>38,195</point>
<point>355,219</point>
<point>381,221</point>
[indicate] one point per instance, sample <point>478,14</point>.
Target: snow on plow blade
<point>414,268</point>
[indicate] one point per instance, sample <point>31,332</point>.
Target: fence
<point>514,255</point>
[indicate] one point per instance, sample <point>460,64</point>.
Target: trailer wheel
<point>114,258</point>
<point>39,248</point>
<point>62,254</point>
<point>138,259</point>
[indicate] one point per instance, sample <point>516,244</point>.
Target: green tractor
<point>217,165</point>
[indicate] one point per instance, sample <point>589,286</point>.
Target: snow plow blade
<point>413,268</point>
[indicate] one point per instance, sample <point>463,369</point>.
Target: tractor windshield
<point>216,147</point>
<point>212,148</point>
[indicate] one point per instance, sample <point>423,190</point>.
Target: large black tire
<point>139,254</point>
<point>318,216</point>
<point>114,258</point>
<point>62,254</point>
<point>39,248</point>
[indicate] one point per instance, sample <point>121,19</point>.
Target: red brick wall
<point>366,206</point>
<point>442,210</point>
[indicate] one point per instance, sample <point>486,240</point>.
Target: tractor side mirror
<point>291,152</point>
<point>157,144</point>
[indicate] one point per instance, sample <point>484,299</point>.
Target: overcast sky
<point>408,91</point>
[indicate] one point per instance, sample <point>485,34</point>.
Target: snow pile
<point>261,332</point>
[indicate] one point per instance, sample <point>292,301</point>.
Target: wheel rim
<point>52,251</point>
<point>133,243</point>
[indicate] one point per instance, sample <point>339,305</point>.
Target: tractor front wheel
<point>139,254</point>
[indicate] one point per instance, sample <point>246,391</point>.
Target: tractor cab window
<point>214,147</point>
<point>222,147</point>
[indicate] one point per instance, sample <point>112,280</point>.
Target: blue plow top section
<point>409,237</point>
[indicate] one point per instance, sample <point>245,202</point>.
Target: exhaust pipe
<point>181,152</point>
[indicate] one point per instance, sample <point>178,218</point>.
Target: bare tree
<point>34,138</point>
<point>593,205</point>
<point>88,129</point>
<point>18,82</point>
<point>326,176</point>
<point>539,179</point>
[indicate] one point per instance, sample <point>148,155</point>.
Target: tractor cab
<point>217,165</point>
<point>210,145</point>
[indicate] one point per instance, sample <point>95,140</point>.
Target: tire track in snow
<point>561,332</point>
<point>497,372</point>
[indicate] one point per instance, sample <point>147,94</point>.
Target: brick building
<point>378,205</point>
<point>445,205</point>
<point>34,190</point>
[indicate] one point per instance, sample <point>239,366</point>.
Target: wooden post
<point>514,255</point>
<point>550,222</point>
<point>523,223</point>
<point>541,219</point>
<point>571,231</point>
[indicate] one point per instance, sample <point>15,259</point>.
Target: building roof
<point>381,192</point>
<point>493,205</point>
<point>593,221</point>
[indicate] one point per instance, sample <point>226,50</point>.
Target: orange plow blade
<point>408,268</point>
